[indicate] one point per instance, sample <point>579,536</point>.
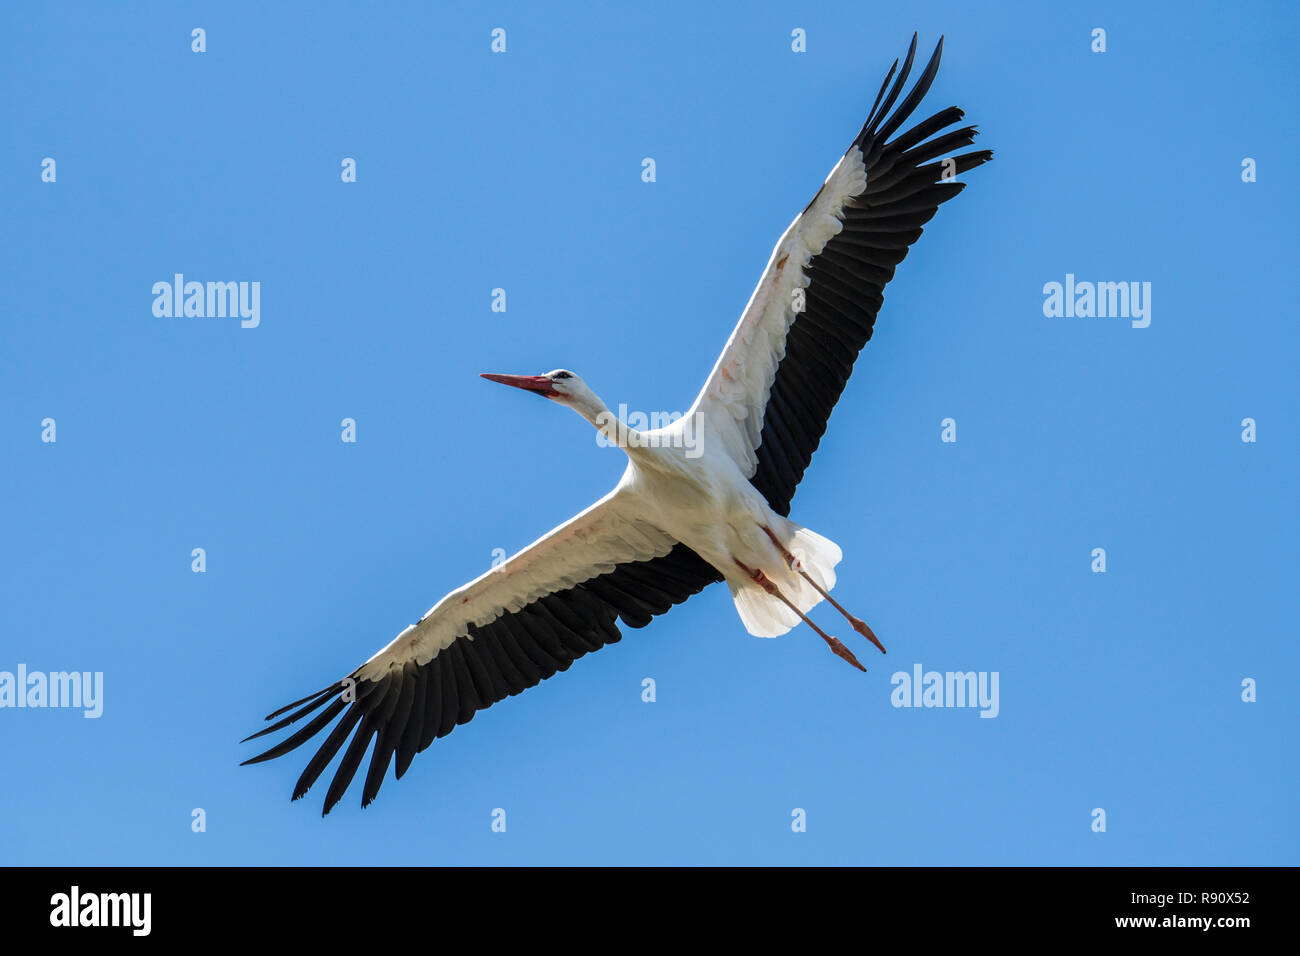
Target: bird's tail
<point>766,615</point>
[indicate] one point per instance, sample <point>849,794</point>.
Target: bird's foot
<point>837,647</point>
<point>861,627</point>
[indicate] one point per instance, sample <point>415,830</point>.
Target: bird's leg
<point>834,643</point>
<point>857,623</point>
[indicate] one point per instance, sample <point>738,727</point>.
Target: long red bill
<point>529,383</point>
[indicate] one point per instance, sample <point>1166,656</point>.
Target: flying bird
<point>704,499</point>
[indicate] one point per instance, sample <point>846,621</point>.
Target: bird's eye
<point>561,375</point>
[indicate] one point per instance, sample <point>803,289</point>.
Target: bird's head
<point>560,385</point>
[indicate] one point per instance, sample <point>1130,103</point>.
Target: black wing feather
<point>847,279</point>
<point>413,704</point>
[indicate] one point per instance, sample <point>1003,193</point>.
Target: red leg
<point>856,623</point>
<point>834,643</point>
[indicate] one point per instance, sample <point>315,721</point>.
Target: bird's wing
<point>773,388</point>
<point>504,632</point>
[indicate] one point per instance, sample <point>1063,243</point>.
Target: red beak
<point>529,383</point>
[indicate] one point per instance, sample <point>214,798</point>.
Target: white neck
<point>615,430</point>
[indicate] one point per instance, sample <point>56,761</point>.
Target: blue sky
<point>521,171</point>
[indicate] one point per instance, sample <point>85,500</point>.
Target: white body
<point>709,505</point>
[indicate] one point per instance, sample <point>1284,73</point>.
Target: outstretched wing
<point>506,631</point>
<point>772,391</point>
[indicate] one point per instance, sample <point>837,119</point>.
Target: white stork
<point>686,513</point>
